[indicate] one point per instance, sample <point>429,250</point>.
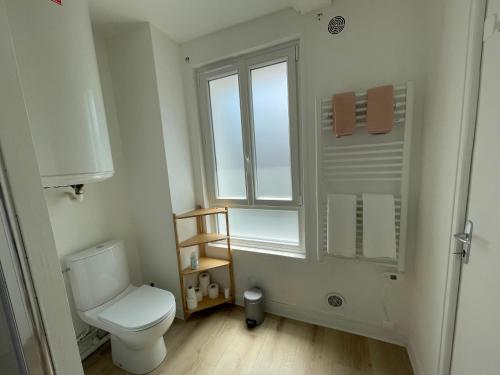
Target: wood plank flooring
<point>218,343</point>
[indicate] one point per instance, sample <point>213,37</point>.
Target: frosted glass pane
<point>228,143</point>
<point>263,225</point>
<point>272,132</point>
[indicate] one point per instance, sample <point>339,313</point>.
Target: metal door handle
<point>465,240</point>
<point>463,237</point>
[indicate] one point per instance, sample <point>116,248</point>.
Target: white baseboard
<point>415,362</point>
<point>324,319</point>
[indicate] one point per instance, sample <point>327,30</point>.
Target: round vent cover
<point>336,25</point>
<point>335,300</point>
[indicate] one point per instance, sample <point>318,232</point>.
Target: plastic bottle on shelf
<point>194,260</point>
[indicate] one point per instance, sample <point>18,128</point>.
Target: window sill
<point>263,251</point>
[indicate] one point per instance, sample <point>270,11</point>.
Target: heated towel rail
<point>365,163</point>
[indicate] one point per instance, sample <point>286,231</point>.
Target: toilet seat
<point>140,309</point>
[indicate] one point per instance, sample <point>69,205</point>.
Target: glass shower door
<point>23,349</point>
<point>10,346</point>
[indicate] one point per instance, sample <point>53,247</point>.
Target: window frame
<point>263,60</point>
<point>242,66</point>
<point>208,135</point>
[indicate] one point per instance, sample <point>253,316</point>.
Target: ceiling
<point>183,20</point>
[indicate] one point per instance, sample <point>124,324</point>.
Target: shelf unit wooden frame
<point>201,239</point>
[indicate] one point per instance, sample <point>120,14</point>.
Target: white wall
<point>149,101</point>
<point>440,148</point>
<point>168,69</point>
<point>382,43</point>
<point>104,214</point>
<point>108,210</point>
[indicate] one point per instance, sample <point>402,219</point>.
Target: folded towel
<point>344,114</point>
<point>380,109</point>
<point>379,227</point>
<point>341,234</point>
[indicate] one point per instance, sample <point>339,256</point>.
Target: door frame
<point>477,12</point>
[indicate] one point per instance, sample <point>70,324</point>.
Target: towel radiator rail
<point>365,163</point>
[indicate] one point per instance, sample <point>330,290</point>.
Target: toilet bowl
<point>136,317</point>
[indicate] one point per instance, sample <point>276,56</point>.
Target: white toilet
<point>136,317</point>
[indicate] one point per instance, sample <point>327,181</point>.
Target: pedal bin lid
<point>253,295</point>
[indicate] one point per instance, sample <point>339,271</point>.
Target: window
<point>249,117</point>
<point>264,226</point>
<point>227,137</point>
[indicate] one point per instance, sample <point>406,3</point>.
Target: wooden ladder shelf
<point>206,263</point>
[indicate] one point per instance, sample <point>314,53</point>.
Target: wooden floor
<point>218,343</point>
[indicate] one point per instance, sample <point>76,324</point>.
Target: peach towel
<point>344,114</point>
<point>380,109</point>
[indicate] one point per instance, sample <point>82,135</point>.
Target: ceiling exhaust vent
<point>335,300</point>
<point>336,25</point>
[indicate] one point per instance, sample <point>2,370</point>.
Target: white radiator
<point>366,163</point>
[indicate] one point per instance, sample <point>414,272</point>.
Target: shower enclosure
<point>23,348</point>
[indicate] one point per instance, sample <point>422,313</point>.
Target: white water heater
<point>57,63</point>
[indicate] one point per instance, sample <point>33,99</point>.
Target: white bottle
<point>194,260</point>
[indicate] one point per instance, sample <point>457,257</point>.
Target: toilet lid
<point>142,308</point>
